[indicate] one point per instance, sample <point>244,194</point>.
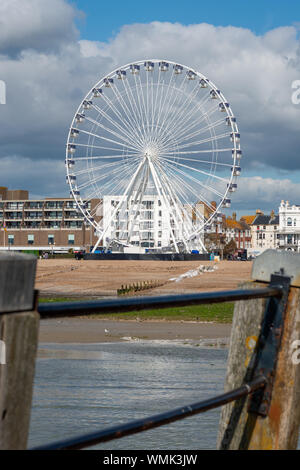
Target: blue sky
<point>103,20</point>
<point>53,52</point>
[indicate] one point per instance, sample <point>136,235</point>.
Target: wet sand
<point>83,330</point>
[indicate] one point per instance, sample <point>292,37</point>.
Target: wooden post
<point>19,325</point>
<point>279,430</point>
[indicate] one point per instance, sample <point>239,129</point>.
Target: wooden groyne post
<point>240,428</point>
<point>19,323</point>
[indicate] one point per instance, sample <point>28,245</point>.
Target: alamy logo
<point>2,352</point>
<point>296,94</point>
<point>2,92</point>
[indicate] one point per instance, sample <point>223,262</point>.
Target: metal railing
<point>260,385</point>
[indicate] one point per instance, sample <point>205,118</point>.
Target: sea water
<point>81,388</point>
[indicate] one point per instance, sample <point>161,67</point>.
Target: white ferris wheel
<point>156,145</point>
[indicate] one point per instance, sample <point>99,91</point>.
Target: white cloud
<point>37,24</point>
<point>48,71</point>
<point>265,193</point>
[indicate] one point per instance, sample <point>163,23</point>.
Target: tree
<point>230,248</point>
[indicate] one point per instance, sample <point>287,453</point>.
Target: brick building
<point>50,224</point>
<point>238,230</point>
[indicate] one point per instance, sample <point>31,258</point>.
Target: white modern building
<point>289,227</point>
<point>146,224</point>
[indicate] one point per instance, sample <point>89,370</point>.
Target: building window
<point>289,222</point>
<point>289,239</point>
<point>50,239</point>
<point>70,239</point>
<point>11,239</point>
<point>295,222</point>
<point>30,239</point>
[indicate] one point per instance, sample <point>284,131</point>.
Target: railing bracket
<point>268,346</point>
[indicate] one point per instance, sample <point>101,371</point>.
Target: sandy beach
<point>69,277</point>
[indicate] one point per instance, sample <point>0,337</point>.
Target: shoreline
<point>85,330</point>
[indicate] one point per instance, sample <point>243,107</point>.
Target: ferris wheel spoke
<point>121,144</point>
<point>125,109</point>
<point>136,112</point>
<point>140,108</point>
<point>131,124</point>
<point>188,209</point>
<point>108,157</point>
<point>174,96</point>
<point>195,169</point>
<point>209,162</point>
<point>183,133</point>
<point>130,144</point>
<point>185,184</point>
<point>131,136</point>
<point>204,116</point>
<point>183,106</point>
<point>99,137</point>
<point>96,179</point>
<point>128,133</point>
<point>181,188</point>
<point>128,139</point>
<point>198,182</point>
<point>187,99</point>
<point>143,102</point>
<point>117,178</point>
<point>200,142</point>
<point>120,183</point>
<point>176,201</point>
<point>180,121</point>
<point>167,96</point>
<point>95,168</point>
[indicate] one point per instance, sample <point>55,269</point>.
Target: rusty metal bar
<point>140,425</point>
<point>68,309</point>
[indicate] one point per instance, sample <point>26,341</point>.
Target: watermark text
<point>2,92</point>
<point>296,94</point>
<point>2,352</point>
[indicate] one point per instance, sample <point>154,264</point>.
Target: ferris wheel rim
<point>234,128</point>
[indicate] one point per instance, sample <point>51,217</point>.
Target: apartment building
<point>50,224</point>
<point>147,224</point>
<point>288,237</point>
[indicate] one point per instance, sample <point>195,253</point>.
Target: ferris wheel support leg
<point>174,199</point>
<point>139,197</point>
<point>124,197</point>
<point>162,197</point>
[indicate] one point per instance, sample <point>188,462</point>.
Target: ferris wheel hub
<point>151,152</point>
